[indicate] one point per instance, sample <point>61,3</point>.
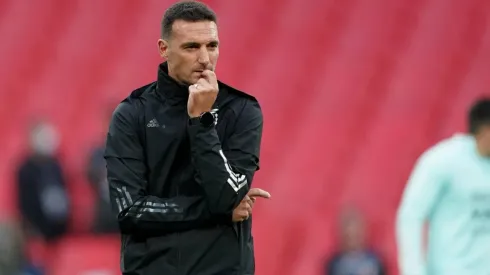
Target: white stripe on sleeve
<point>236,181</point>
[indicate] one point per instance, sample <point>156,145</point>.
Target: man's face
<point>44,139</point>
<point>353,234</point>
<point>191,48</point>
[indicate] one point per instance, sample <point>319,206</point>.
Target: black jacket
<point>175,183</point>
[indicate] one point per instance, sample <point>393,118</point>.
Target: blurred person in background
<point>181,159</point>
<point>42,194</point>
<point>11,249</point>
<point>104,220</point>
<point>12,255</point>
<point>450,189</point>
<point>353,257</point>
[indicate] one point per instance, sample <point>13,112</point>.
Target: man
<point>104,221</point>
<point>449,188</point>
<point>43,198</point>
<point>181,155</point>
<point>11,248</point>
<point>353,256</point>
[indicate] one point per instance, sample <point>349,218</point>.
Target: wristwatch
<point>205,119</point>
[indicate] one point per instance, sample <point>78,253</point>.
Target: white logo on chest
<point>153,123</point>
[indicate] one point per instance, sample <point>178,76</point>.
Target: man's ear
<point>163,48</point>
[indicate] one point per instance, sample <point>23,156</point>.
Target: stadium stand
<point>352,91</point>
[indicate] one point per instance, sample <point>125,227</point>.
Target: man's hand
<point>202,95</point>
<point>258,193</point>
<point>244,209</point>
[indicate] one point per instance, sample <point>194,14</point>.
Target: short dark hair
<point>479,115</point>
<point>191,11</point>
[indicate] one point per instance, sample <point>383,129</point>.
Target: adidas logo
<point>153,123</point>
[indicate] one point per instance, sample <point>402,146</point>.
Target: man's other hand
<point>244,209</point>
<point>257,192</point>
<point>202,95</point>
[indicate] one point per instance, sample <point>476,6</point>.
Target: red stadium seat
<point>86,255</point>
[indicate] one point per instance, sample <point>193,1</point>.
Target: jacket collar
<point>169,88</point>
<point>177,93</point>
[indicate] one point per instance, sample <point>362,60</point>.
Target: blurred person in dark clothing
<point>181,156</point>
<point>11,249</point>
<point>13,260</point>
<point>104,221</point>
<point>353,257</point>
<point>42,195</point>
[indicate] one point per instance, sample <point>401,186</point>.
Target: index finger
<point>192,88</point>
<point>257,192</point>
<point>210,76</point>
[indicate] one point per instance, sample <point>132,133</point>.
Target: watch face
<point>207,119</point>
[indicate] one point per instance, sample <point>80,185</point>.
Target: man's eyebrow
<point>190,44</point>
<point>195,44</point>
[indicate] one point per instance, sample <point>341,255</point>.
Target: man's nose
<point>203,56</point>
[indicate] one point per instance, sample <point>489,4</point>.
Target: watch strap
<point>194,121</point>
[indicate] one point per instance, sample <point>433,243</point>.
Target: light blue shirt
<point>450,189</point>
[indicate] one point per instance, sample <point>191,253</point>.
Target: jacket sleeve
<point>138,212</point>
<point>225,170</point>
<point>424,188</point>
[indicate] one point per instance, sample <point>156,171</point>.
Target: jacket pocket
<point>132,254</point>
<point>211,251</point>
